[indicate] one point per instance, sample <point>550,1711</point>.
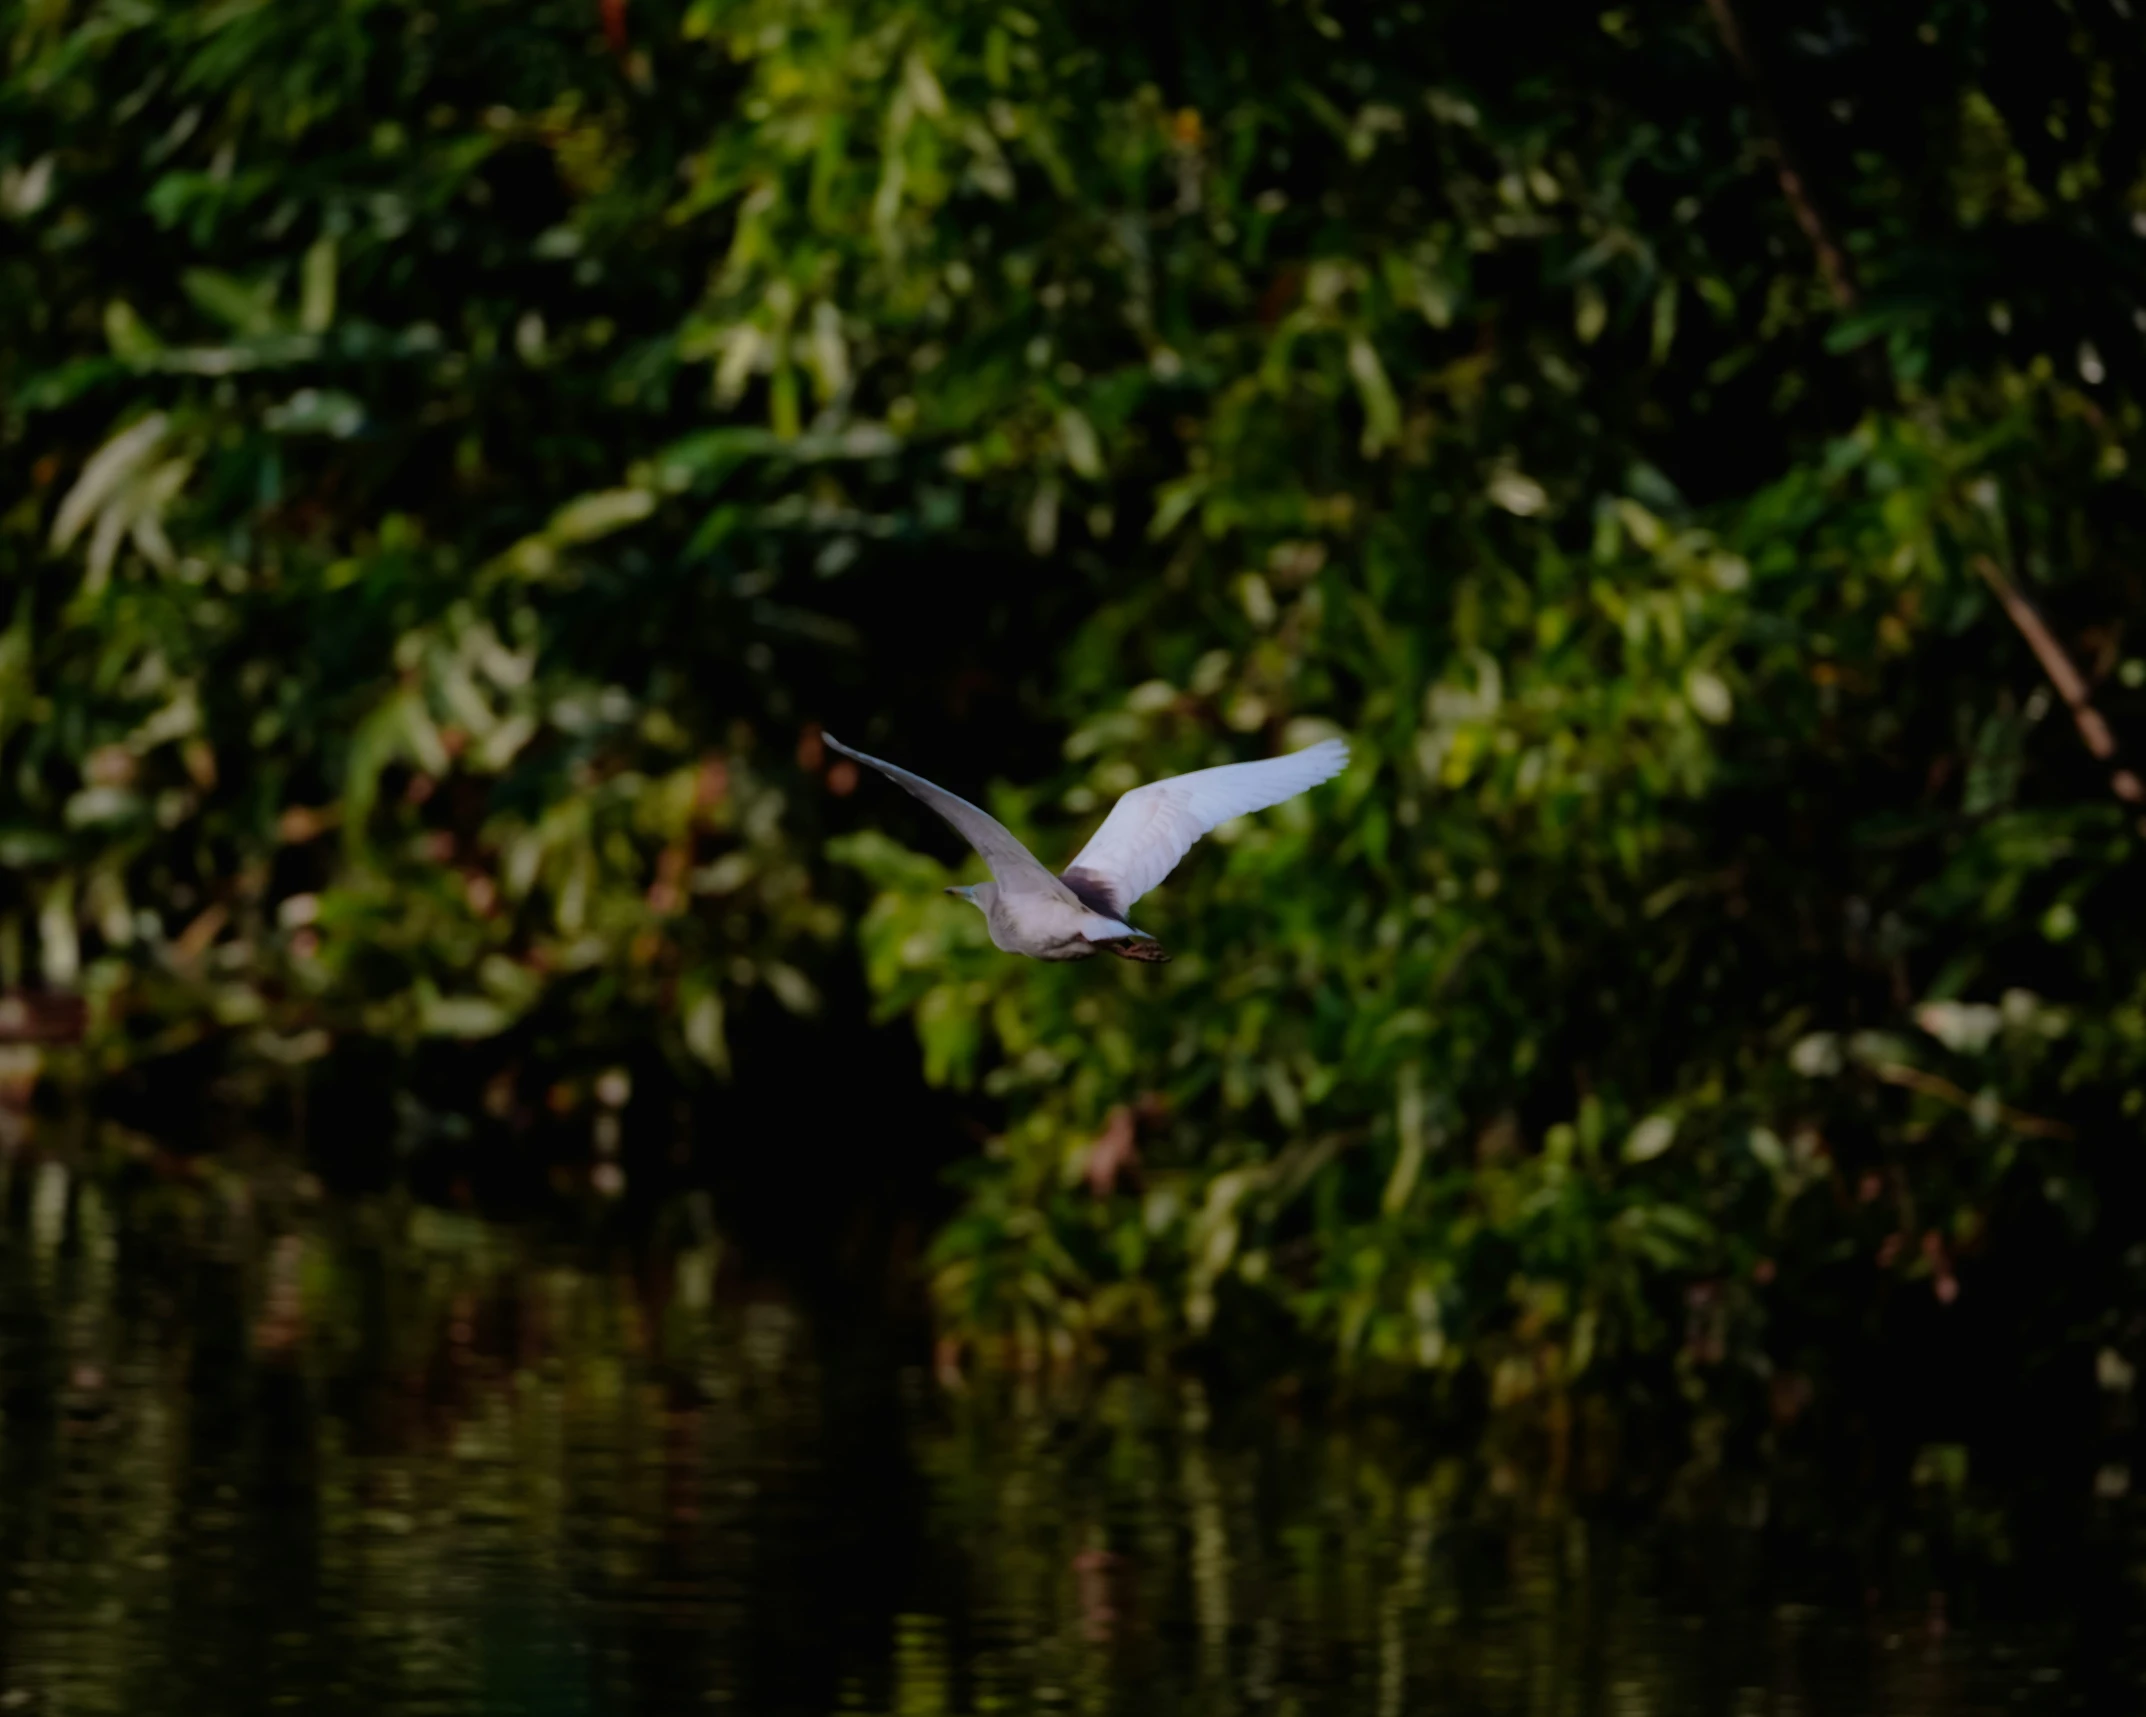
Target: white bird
<point>1067,917</point>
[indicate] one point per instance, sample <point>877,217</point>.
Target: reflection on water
<point>258,1451</point>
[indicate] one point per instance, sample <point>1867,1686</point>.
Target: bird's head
<point>977,894</point>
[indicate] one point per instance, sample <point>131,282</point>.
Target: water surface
<point>261,1450</point>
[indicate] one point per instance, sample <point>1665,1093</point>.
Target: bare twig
<point>1839,272</point>
<point>2070,683</point>
<point>1796,185</point>
<point>1943,1089</point>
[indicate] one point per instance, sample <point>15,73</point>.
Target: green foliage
<point>462,449</point>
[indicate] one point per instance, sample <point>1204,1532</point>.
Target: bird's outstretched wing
<point>1013,867</point>
<point>1153,827</point>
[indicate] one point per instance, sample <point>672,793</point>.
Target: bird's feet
<point>1142,948</point>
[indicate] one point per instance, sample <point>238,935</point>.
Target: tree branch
<point>1943,1089</point>
<point>1833,260</point>
<point>1839,272</point>
<point>2070,684</point>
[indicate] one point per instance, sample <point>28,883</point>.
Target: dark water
<point>260,1451</point>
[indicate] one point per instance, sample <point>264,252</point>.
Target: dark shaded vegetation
<point>458,456</point>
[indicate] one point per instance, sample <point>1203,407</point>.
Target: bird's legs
<point>1143,948</point>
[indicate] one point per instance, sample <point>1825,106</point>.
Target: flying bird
<point>1070,915</point>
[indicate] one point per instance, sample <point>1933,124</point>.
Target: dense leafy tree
<point>461,450</point>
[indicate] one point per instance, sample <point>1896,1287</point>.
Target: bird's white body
<point>1068,917</point>
<point>1046,928</point>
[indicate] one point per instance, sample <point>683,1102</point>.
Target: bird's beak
<point>959,893</point>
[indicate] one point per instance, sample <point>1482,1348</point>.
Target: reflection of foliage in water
<point>261,1449</point>
<point>362,1455</point>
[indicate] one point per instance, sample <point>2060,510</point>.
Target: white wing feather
<point>1153,827</point>
<point>1013,866</point>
